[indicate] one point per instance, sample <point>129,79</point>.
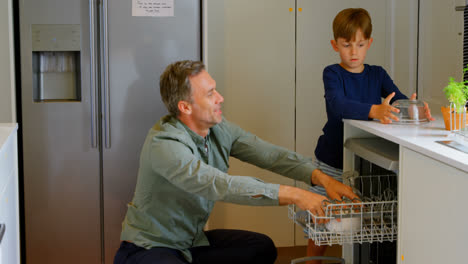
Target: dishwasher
<point>367,228</point>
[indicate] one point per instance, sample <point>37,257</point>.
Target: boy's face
<point>353,52</point>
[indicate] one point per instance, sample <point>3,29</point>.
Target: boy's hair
<point>349,21</point>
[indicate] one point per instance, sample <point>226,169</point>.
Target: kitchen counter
<point>420,138</point>
<point>9,202</point>
<point>432,187</point>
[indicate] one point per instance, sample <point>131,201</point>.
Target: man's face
<point>353,52</point>
<point>206,101</point>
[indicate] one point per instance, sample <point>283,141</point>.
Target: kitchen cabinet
<point>7,65</point>
<point>250,54</point>
<point>432,180</point>
<point>267,57</point>
<point>9,207</point>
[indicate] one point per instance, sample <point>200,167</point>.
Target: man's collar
<point>195,137</point>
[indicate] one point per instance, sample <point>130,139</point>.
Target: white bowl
<point>345,225</point>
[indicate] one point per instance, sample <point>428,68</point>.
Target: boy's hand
<point>334,188</point>
<point>338,190</point>
<point>427,111</point>
<point>383,111</point>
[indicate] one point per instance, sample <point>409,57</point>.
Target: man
<point>182,173</point>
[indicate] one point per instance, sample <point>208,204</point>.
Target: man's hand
<point>383,111</point>
<point>311,201</point>
<point>301,198</point>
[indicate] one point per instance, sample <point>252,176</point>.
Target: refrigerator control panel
<point>56,37</point>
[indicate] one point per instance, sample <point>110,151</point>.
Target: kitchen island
<point>432,190</point>
<point>9,206</point>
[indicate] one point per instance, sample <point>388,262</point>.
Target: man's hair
<point>174,83</point>
<point>349,21</point>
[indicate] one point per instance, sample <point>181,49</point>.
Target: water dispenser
<point>56,63</point>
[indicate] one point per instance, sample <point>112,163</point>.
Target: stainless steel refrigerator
<point>90,92</point>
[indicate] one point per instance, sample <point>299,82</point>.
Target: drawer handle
<point>2,232</point>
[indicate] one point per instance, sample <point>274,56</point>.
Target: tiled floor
<point>286,254</point>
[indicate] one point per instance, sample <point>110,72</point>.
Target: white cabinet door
<point>250,53</point>
<point>7,67</point>
<point>432,214</point>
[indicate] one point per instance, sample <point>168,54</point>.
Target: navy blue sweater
<point>350,96</point>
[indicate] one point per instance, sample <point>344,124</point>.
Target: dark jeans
<point>226,247</point>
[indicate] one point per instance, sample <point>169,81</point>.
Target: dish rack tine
<point>299,260</point>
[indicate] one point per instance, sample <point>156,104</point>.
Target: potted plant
<point>457,95</point>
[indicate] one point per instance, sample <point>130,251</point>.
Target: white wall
<point>440,49</point>
<point>7,73</point>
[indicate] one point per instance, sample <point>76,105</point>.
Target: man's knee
<point>266,249</point>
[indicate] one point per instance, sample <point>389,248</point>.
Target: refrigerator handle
<point>105,74</point>
<point>93,75</point>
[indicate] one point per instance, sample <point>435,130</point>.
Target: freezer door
<point>139,49</point>
<point>61,168</point>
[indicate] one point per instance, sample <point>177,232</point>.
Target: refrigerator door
<point>139,49</point>
<point>61,168</point>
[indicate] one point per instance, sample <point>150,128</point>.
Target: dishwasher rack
<point>372,165</point>
<point>373,218</point>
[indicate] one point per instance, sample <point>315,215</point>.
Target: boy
<point>353,90</point>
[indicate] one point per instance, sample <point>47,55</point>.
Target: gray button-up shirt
<point>182,175</point>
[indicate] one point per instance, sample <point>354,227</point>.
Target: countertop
<point>420,138</point>
<point>5,131</point>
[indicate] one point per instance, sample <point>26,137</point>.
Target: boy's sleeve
<point>338,105</point>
